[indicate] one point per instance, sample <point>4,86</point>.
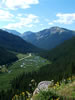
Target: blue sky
<point>35,15</point>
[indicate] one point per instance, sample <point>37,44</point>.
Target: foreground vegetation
<point>64,90</point>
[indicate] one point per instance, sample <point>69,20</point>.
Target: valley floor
<point>26,63</point>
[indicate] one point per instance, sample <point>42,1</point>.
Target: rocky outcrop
<point>42,86</point>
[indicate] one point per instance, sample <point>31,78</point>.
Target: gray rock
<point>42,86</point>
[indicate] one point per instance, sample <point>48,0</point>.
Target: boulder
<point>42,86</point>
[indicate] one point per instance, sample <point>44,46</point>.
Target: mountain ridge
<point>15,43</point>
<point>49,38</point>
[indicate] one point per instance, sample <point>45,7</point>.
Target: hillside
<point>61,67</point>
<point>15,43</point>
<point>65,51</point>
<point>6,56</point>
<point>12,32</point>
<point>62,58</point>
<point>49,38</point>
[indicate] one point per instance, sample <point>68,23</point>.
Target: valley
<point>37,49</point>
<point>22,64</point>
<point>25,63</point>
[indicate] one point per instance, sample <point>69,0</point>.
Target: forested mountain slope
<point>15,43</point>
<point>6,56</point>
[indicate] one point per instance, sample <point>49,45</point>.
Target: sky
<point>36,15</point>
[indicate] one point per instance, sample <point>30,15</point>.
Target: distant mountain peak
<point>28,32</point>
<point>56,29</point>
<point>49,38</point>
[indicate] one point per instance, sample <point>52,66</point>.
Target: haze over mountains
<point>12,31</point>
<point>47,38</point>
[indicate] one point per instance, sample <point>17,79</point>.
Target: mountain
<point>12,31</point>
<point>15,43</point>
<point>49,38</point>
<point>27,33</point>
<point>63,60</point>
<point>29,36</point>
<point>64,51</point>
<point>6,56</point>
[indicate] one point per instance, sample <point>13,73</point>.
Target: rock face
<point>42,86</point>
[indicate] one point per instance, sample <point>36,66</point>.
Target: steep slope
<point>63,60</point>
<point>49,38</point>
<point>15,43</point>
<point>12,31</point>
<point>66,49</point>
<point>6,56</point>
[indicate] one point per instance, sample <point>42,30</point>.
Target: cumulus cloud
<point>5,15</point>
<point>67,18</point>
<point>50,23</point>
<point>28,21</point>
<point>14,4</point>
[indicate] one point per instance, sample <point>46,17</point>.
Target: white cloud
<point>67,18</point>
<point>50,23</point>
<point>30,18</point>
<point>28,21</point>
<point>14,4</point>
<point>19,15</point>
<point>5,15</point>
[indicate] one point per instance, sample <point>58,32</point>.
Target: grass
<point>68,90</point>
<point>65,91</point>
<point>25,63</point>
<point>45,95</point>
